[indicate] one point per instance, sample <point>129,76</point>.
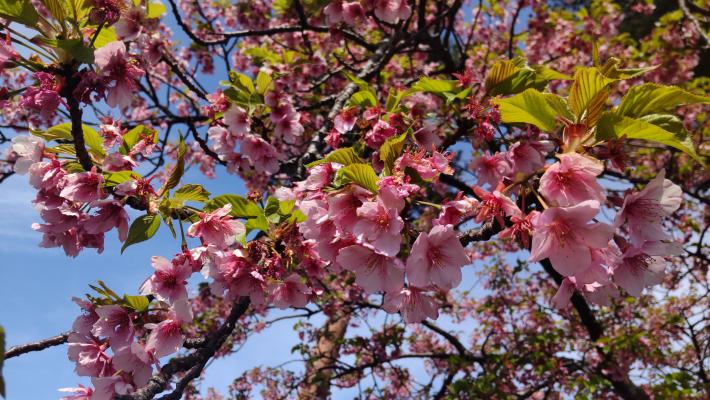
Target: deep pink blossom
<point>491,169</point>
<point>376,136</point>
<point>572,180</point>
<point>494,205</point>
<point>217,227</point>
<point>115,324</point>
<point>565,236</point>
<point>263,156</point>
<point>379,222</point>
<point>436,258</point>
<point>374,272</point>
<point>111,215</point>
<point>291,293</point>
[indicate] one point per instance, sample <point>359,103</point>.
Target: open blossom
<point>83,186</point>
<point>29,150</point>
<point>237,121</point>
<point>291,293</point>
<point>217,227</point>
<point>376,136</point>
<point>89,355</point>
<point>379,222</point>
<point>119,72</point>
<point>263,156</point>
<point>111,215</point>
<point>107,387</point>
<point>169,279</point>
<point>44,97</point>
<point>165,338</point>
<point>436,258</point>
<point>643,266</point>
<point>491,169</point>
<point>565,236</point>
<point>7,53</point>
<point>115,324</point>
<point>135,360</point>
<point>392,11</point>
<point>454,211</point>
<point>644,211</point>
<point>374,272</point>
<point>572,180</point>
<point>412,303</point>
<point>80,392</point>
<point>524,158</point>
<point>494,205</point>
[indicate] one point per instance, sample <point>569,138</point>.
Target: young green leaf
<point>390,150</point>
<point>178,170</point>
<point>142,229</point>
<point>652,128</point>
<point>364,98</point>
<point>115,178</point>
<point>429,85</point>
<point>190,192</point>
<point>241,207</point>
<point>138,303</point>
<point>263,82</point>
<point>530,107</point>
<point>344,155</point>
<point>651,98</point>
<point>21,11</point>
<point>362,175</point>
<point>588,94</point>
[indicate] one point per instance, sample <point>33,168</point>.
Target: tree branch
<point>39,345</point>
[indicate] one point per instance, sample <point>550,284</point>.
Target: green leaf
<point>362,175</point>
<point>390,150</point>
<point>241,81</point>
<point>2,360</point>
<point>133,136</point>
<point>429,85</point>
<point>190,192</point>
<point>263,82</point>
<point>21,11</point>
<point>530,107</point>
<point>659,128</point>
<point>156,9</point>
<point>57,132</point>
<point>611,69</point>
<point>76,49</point>
<point>513,76</point>
<point>286,207</point>
<point>259,223</point>
<point>499,72</point>
<point>364,98</point>
<point>559,104</point>
<point>549,74</point>
<point>651,98</point>
<point>344,156</point>
<point>588,94</point>
<point>142,229</point>
<point>116,178</point>
<point>178,170</point>
<point>241,207</point>
<point>93,140</point>
<point>56,8</point>
<point>261,54</point>
<point>359,82</point>
<point>106,36</point>
<point>272,206</point>
<point>138,303</point>
<point>394,96</point>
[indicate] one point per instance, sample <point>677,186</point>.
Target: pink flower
<point>135,360</point>
<point>644,211</point>
<point>105,388</point>
<point>115,324</point>
<point>643,266</point>
<point>353,13</point>
<point>376,136</point>
<point>165,338</point>
<point>263,156</point>
<point>454,211</point>
<point>319,176</point>
<point>524,158</point>
<point>45,96</point>
<point>89,355</point>
<point>169,279</point>
<point>436,258</point>
<point>291,293</point>
<point>110,215</point>
<point>84,323</point>
<point>565,237</point>
<point>392,10</point>
<point>29,150</point>
<point>7,53</point>
<point>333,12</point>
<point>217,228</point>
<point>119,73</point>
<point>572,180</point>
<point>563,295</point>
<point>520,228</point>
<point>223,139</point>
<point>116,162</point>
<point>491,168</point>
<point>237,121</point>
<point>374,272</point>
<point>379,222</point>
<point>494,205</point>
<point>78,393</point>
<point>83,186</point>
<point>412,303</point>
<point>345,120</point>
<point>131,23</point>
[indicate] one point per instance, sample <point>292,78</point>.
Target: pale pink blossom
<point>643,266</point>
<point>223,140</point>
<point>105,388</point>
<point>80,392</point>
<point>572,180</point>
<point>565,236</point>
<point>84,323</point>
<point>412,303</point>
<point>134,359</point>
<point>491,169</point>
<point>89,355</point>
<point>392,11</point>
<point>83,186</point>
<point>436,258</point>
<point>116,162</point>
<point>119,73</point>
<point>263,156</point>
<point>644,211</point>
<point>115,324</point>
<point>131,23</point>
<point>379,222</point>
<point>291,293</point>
<point>524,158</point>
<point>169,280</point>
<point>165,338</point>
<point>111,215</point>
<point>217,227</point>
<point>345,120</point>
<point>29,150</point>
<point>237,121</point>
<point>374,272</point>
